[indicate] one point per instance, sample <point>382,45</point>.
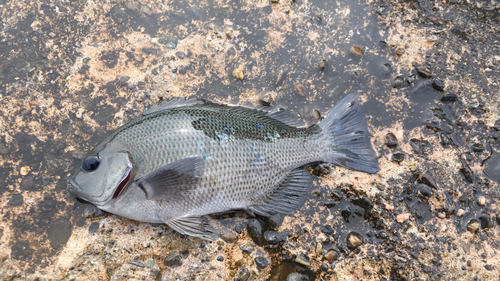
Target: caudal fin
<point>348,136</point>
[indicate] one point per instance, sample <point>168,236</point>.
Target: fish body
<point>184,159</point>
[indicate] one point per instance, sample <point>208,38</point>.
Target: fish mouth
<point>75,189</point>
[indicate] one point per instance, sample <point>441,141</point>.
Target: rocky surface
<point>428,71</point>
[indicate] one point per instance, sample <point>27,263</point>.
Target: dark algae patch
<point>71,72</point>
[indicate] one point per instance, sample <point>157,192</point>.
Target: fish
<point>184,159</point>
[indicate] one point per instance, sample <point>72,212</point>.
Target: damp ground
<point>428,72</point>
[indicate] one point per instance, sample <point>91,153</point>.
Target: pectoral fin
<point>288,197</point>
<point>174,179</point>
<point>194,226</point>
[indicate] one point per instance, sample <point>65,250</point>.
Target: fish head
<point>104,174</point>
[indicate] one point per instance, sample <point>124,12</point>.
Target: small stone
<point>93,227</point>
<point>324,267</point>
<point>402,217</point>
<point>255,231</point>
<point>299,89</point>
<point>220,258</point>
<point>481,200</point>
<point>247,248</point>
<point>123,79</point>
<point>424,73</point>
<point>388,207</point>
<point>16,200</point>
<point>478,147</point>
<point>243,274</point>
<point>239,72</point>
<point>354,240</point>
<point>150,263</point>
<point>301,259</point>
<point>266,99</point>
<point>449,97</point>
<point>52,34</point>
<point>180,55</point>
<point>25,170</point>
<point>137,263</point>
<point>398,157</point>
<point>323,65</point>
<point>473,226</point>
<point>273,237</point>
<point>400,51</point>
<point>391,140</point>
<point>79,113</point>
<point>295,276</point>
<point>485,221</point>
<point>91,211</point>
<point>398,82</point>
<point>460,212</point>
<point>356,51</point>
<point>332,255</point>
<point>261,262</point>
<point>173,260</point>
<point>438,84</point>
<point>326,229</point>
<point>442,215</point>
<point>228,235</point>
<point>319,248</point>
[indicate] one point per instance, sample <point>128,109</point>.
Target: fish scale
<point>182,160</point>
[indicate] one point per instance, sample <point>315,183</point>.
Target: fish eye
<point>91,163</point>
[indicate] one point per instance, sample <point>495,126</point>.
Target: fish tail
<point>348,137</point>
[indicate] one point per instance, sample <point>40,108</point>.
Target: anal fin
<point>194,226</point>
<point>288,197</point>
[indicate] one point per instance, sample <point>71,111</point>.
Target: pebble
<point>460,212</point>
<point>356,51</point>
<point>16,200</point>
<point>326,229</point>
<point>485,222</point>
<point>94,227</point>
<point>424,73</point>
<point>239,72</point>
<point>442,215</point>
<point>332,255</point>
<point>323,65</point>
<point>255,231</point>
<point>180,55</point>
<point>319,248</point>
<point>438,84</point>
<point>481,200</point>
<point>402,217</point>
<point>243,274</point>
<point>273,237</point>
<point>391,140</point>
<point>25,170</point>
<point>220,258</point>
<point>498,218</point>
<point>91,211</point>
<point>173,260</point>
<point>266,99</point>
<point>137,263</point>
<point>398,82</point>
<point>79,113</point>
<point>295,276</point>
<point>324,267</point>
<point>299,89</point>
<point>478,147</point>
<point>261,262</point>
<point>398,157</point>
<point>280,75</point>
<point>123,79</point>
<point>424,189</point>
<point>400,51</point>
<point>449,97</point>
<point>301,259</point>
<point>354,240</point>
<point>228,236</point>
<point>473,226</point>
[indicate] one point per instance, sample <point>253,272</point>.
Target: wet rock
<point>484,221</point>
<point>473,226</point>
<point>180,55</point>
<point>220,258</point>
<point>247,248</point>
<point>91,211</point>
<point>411,79</point>
<point>324,267</point>
<point>295,276</point>
<point>364,202</point>
<point>478,147</point>
<point>16,200</point>
<point>424,73</point>
<point>398,157</point>
<point>243,274</point>
<point>273,237</point>
<point>301,259</point>
<point>323,65</point>
<point>137,263</point>
<point>449,98</point>
<point>261,262</point>
<point>398,82</point>
<point>357,51</point>
<point>59,233</point>
<point>254,229</point>
<point>266,99</point>
<point>444,139</point>
<point>28,183</point>
<point>354,240</point>
<point>467,173</point>
<point>173,260</point>
<point>239,228</point>
<point>228,236</point>
<point>337,194</point>
<point>438,84</point>
<point>400,51</point>
<point>424,189</point>
<point>239,72</point>
<point>275,220</point>
<point>391,140</point>
<point>326,229</point>
<point>332,255</point>
<point>21,250</point>
<point>94,227</point>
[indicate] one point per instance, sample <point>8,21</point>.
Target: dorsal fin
<point>172,103</point>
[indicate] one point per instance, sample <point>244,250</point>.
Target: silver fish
<point>184,159</point>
